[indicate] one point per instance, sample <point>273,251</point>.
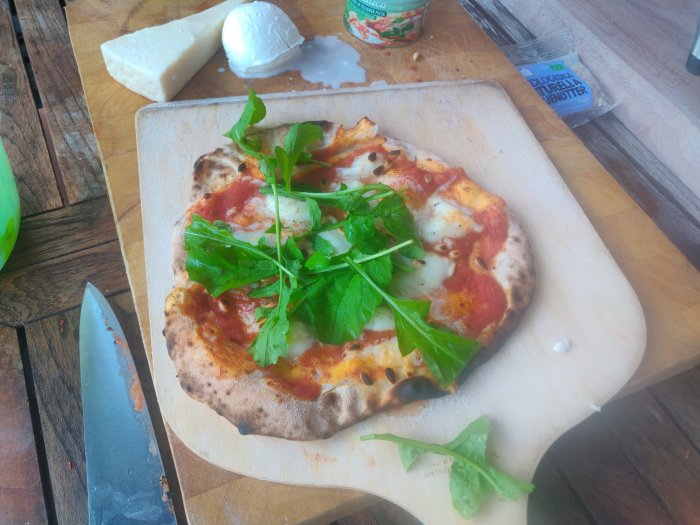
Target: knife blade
<point>125,476</point>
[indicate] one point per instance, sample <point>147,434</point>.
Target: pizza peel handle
<point>125,476</point>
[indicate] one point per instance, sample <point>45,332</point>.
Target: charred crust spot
<point>187,387</point>
<point>261,410</point>
<point>242,167</point>
<point>366,379</point>
<point>207,195</point>
<point>372,403</point>
<point>330,401</point>
<point>390,375</point>
<point>355,346</point>
<point>417,388</point>
<point>481,263</point>
<point>394,153</point>
<point>372,156</point>
<point>163,332</point>
<point>170,342</point>
<point>228,392</point>
<point>196,187</point>
<point>517,297</point>
<point>378,170</point>
<point>244,428</point>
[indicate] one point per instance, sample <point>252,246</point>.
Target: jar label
<point>383,22</point>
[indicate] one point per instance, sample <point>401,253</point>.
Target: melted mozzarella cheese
<point>361,167</point>
<point>337,239</point>
<point>294,213</point>
<point>439,218</point>
<point>383,320</point>
<point>299,339</point>
<point>426,280</point>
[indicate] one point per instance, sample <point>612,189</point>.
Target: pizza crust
<point>246,399</point>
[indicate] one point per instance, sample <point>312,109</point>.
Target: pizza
<point>358,340</point>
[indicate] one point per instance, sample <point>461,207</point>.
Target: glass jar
<point>385,23</point>
<point>9,208</point>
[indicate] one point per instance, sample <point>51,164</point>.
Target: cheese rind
<point>158,61</point>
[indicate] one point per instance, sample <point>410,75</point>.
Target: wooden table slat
<point>657,449</point>
<point>55,364</point>
<point>50,52</point>
<point>61,232</point>
<point>53,286</point>
<point>21,493</point>
<point>680,397</point>
<point>20,129</point>
<point>680,221</point>
<point>604,479</point>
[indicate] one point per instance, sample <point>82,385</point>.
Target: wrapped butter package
<point>552,67</point>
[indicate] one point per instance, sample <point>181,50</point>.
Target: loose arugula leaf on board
<point>253,112</point>
<point>342,303</point>
<point>399,222</point>
<point>445,353</point>
<point>472,477</point>
<point>271,342</point>
<point>220,262</point>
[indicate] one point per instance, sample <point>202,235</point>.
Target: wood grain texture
<point>659,452</point>
<point>628,63</point>
<point>46,36</point>
<point>62,232</point>
<point>678,397</point>
<point>56,285</point>
<point>679,220</point>
<point>21,495</point>
<point>55,364</point>
<point>674,208</point>
<point>20,129</point>
<point>605,480</point>
<point>457,50</point>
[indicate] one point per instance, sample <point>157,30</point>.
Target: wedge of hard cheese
<point>157,62</point>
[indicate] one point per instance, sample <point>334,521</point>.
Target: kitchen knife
<point>125,476</point>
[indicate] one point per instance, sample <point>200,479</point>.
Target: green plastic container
<point>385,23</point>
<point>9,208</point>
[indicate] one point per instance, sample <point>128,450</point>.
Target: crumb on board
<point>416,56</point>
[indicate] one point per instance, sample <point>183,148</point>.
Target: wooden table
<point>636,462</point>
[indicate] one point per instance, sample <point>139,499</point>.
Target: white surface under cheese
<point>158,61</point>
